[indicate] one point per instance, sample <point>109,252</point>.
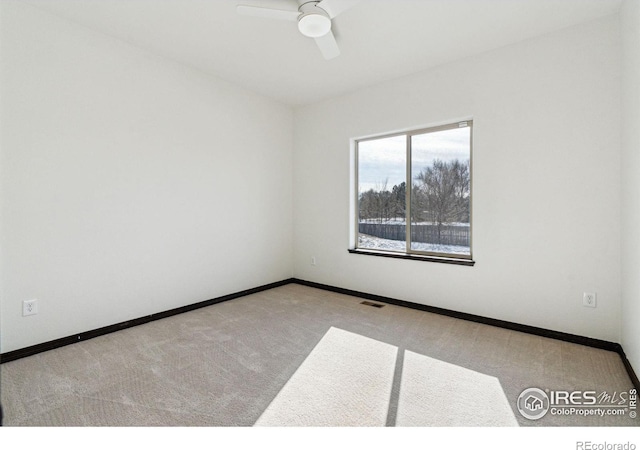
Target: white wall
<point>630,15</point>
<point>130,184</point>
<point>546,186</point>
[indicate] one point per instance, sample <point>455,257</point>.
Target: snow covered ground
<point>376,243</point>
<point>400,221</point>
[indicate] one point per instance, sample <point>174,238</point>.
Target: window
<point>414,194</point>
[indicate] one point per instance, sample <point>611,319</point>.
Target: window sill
<point>414,257</point>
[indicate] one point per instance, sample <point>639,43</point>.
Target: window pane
<point>382,172</point>
<point>441,191</point>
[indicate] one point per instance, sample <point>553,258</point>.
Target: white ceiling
<point>379,39</point>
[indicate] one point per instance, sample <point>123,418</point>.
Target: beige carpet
<point>345,381</point>
<point>225,364</point>
<point>436,393</point>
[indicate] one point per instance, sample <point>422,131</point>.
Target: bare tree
<point>441,194</point>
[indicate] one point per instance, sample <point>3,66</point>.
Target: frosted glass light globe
<point>314,25</point>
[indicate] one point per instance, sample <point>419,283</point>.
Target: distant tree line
<point>382,205</point>
<point>440,194</point>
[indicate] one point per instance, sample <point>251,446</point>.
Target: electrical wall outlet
<point>29,307</point>
<point>313,260</point>
<point>589,299</point>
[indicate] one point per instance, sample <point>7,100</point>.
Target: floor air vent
<point>375,305</point>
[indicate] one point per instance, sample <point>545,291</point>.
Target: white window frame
<point>409,253</point>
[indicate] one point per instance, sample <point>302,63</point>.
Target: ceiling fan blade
<point>269,13</point>
<point>328,45</point>
<point>335,7</point>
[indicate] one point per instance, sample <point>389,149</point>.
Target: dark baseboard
<point>50,345</point>
<point>630,371</point>
<point>567,337</point>
<point>470,317</point>
<point>590,342</point>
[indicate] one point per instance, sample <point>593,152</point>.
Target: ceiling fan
<point>313,17</point>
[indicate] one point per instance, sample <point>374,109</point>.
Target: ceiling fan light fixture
<point>314,25</point>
